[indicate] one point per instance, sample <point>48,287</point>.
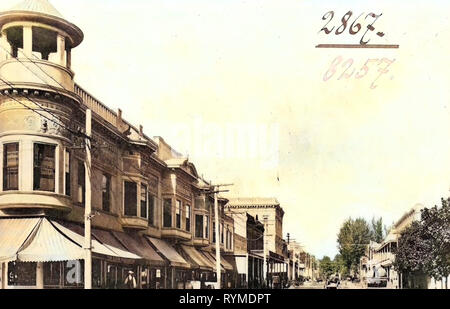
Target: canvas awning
<point>139,245</point>
<point>73,232</point>
<point>223,262</point>
<point>14,233</point>
<point>212,260</point>
<point>39,239</point>
<point>169,253</point>
<point>203,262</point>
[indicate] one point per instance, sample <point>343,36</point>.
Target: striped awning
<point>203,262</point>
<point>42,240</point>
<point>169,253</point>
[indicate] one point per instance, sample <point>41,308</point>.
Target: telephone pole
<point>265,250</point>
<point>216,191</point>
<point>87,209</point>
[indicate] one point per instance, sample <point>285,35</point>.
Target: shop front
<point>36,252</point>
<point>178,275</point>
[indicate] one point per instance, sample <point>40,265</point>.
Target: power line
<point>45,82</point>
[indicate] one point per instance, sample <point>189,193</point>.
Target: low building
<point>270,213</point>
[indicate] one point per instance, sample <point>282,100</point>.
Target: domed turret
<point>34,31</point>
<point>38,107</point>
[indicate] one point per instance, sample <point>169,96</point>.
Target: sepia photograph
<point>252,147</point>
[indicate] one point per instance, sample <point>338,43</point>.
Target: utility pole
<point>265,250</point>
<point>87,209</point>
<point>216,192</point>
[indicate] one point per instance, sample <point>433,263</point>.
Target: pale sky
<point>343,149</point>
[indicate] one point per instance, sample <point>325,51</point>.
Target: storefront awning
<point>169,253</point>
<point>35,240</point>
<point>139,245</point>
<point>223,262</point>
<point>212,260</point>
<point>13,234</point>
<point>240,263</point>
<point>203,262</point>
<point>76,233</point>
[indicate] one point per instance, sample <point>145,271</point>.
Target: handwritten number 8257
<point>346,66</point>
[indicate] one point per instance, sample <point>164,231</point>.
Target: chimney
<point>141,130</point>
<point>119,117</point>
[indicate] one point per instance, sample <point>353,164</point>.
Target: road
<point>343,285</point>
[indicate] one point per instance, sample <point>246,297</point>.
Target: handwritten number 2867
<point>354,27</point>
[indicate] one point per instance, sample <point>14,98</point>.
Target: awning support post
<point>87,214</point>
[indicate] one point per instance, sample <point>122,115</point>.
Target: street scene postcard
<point>245,146</point>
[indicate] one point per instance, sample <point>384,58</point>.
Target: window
<point>106,192</point>
<point>206,225</point>
<point>188,218</point>
<point>151,210</point>
<point>67,171</point>
<point>198,226</point>
<point>130,206</point>
<point>144,198</point>
<point>167,222</point>
<point>214,232</point>
<point>11,167</point>
<point>44,168</point>
<point>178,214</point>
<point>221,233</point>
<point>21,274</point>
<point>81,182</point>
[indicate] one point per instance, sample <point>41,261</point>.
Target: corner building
<point>143,194</point>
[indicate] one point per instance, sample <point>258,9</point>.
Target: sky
<point>239,87</point>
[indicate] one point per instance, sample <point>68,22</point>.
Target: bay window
<point>199,227</point>
<point>144,199</point>
<point>167,218</point>
<point>188,218</point>
<point>81,172</point>
<point>11,166</point>
<point>44,167</point>
<point>178,214</point>
<point>151,210</point>
<point>130,200</point>
<point>206,226</point>
<point>67,172</point>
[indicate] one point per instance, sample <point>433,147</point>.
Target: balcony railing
<point>96,106</point>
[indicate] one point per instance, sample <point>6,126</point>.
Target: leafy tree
<point>327,267</point>
<point>413,252</point>
<point>377,230</point>
<point>425,246</point>
<point>436,229</point>
<point>353,237</point>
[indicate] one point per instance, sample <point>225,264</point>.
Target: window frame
<point>188,217</point>
<point>55,167</point>
<point>4,166</point>
<point>143,185</point>
<point>169,213</point>
<point>108,192</point>
<point>135,209</point>
<point>178,212</point>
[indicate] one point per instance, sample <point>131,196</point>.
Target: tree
<point>353,238</point>
<point>327,267</point>
<point>436,229</point>
<point>425,246</point>
<point>377,230</point>
<point>413,252</point>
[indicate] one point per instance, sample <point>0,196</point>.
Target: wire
<point>34,110</point>
<point>52,87</point>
